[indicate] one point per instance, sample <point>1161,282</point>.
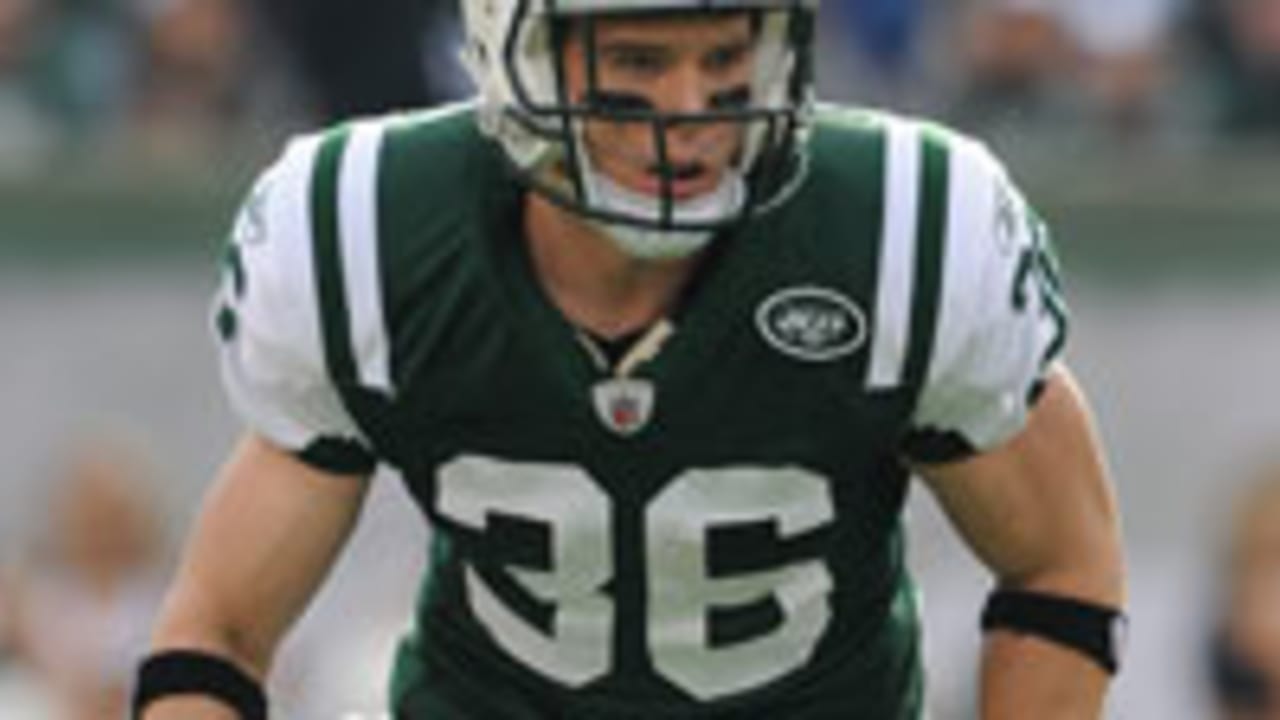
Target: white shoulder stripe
<point>895,286</point>
<point>358,230</point>
<point>291,232</point>
<point>970,209</point>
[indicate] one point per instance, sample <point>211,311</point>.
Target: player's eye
<point>726,57</point>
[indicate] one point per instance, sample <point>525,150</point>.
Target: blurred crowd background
<point>184,75</point>
<point>1147,130</point>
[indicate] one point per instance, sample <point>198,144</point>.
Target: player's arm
<point>1004,439</point>
<point>1039,511</point>
<point>283,506</point>
<point>265,539</point>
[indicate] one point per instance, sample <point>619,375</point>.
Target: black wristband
<point>1096,631</point>
<point>191,672</point>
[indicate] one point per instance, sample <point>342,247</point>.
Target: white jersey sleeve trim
<point>897,256</point>
<point>970,192</point>
<point>358,232</point>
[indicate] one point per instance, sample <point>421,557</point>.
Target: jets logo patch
<point>624,405</point>
<point>813,324</point>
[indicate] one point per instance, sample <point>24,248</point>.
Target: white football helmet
<point>513,53</point>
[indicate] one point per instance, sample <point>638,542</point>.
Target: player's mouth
<point>685,180</point>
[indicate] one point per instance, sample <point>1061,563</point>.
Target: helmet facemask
<point>545,130</point>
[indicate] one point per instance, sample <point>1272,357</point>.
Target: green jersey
<point>708,527</point>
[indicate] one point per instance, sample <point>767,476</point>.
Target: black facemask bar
<point>775,172</point>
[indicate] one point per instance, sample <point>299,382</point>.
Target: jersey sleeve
<point>1002,320</point>
<point>267,324</point>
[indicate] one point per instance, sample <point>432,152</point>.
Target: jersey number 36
<point>680,590</point>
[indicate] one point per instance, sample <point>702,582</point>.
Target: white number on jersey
<point>681,591</point>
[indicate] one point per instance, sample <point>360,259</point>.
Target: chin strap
<point>1096,631</point>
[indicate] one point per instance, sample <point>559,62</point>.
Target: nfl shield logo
<point>624,405</point>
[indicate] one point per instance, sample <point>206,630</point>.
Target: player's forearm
<point>1027,677</point>
<point>217,640</point>
<point>189,708</point>
<point>193,618</point>
<point>197,706</point>
<point>189,623</point>
<point>265,539</point>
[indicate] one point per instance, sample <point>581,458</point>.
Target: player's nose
<point>686,93</point>
<point>685,90</point>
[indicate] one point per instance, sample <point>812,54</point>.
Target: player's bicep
<point>1038,509</point>
<point>267,534</point>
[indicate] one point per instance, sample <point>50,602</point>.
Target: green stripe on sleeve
<point>935,179</point>
<point>335,327</point>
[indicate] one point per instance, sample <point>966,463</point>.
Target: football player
<point>656,344</point>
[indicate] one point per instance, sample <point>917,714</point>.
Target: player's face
<point>669,64</point>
